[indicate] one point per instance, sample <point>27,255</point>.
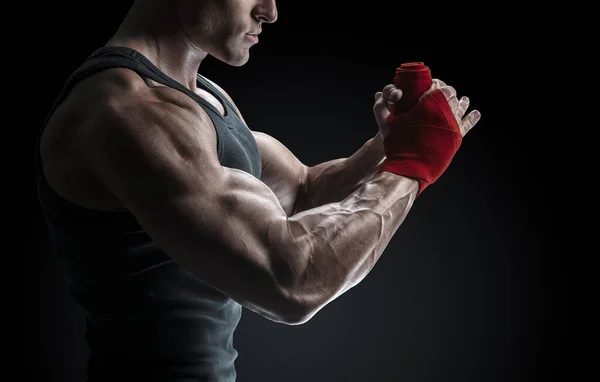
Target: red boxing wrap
<point>423,139</point>
<point>413,78</point>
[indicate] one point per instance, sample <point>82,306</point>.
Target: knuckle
<point>446,91</point>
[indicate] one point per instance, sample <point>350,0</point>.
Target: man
<point>171,214</point>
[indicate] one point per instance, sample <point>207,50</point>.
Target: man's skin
<point>282,246</point>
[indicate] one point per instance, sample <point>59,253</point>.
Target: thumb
<point>380,108</point>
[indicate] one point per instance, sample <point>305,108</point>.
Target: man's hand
<point>421,142</point>
<point>390,95</point>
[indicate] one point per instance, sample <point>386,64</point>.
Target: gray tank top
<point>147,318</point>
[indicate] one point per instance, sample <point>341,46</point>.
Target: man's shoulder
<point>121,98</point>
<point>116,108</point>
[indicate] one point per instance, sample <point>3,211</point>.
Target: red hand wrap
<point>413,78</point>
<point>423,140</point>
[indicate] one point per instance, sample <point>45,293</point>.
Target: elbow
<point>299,308</point>
<point>300,312</point>
<point>286,314</point>
<point>283,304</point>
<point>296,315</point>
<point>285,307</point>
<point>281,310</point>
<point>298,299</point>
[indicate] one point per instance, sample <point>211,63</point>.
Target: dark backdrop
<point>468,289</point>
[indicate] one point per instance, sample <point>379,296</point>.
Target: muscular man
<point>171,214</point>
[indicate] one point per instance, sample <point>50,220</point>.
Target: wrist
<point>402,169</point>
<point>397,185</point>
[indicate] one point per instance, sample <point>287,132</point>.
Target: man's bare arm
<point>299,187</point>
<point>334,180</point>
<point>229,228</point>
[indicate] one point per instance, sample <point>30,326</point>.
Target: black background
<point>468,290</point>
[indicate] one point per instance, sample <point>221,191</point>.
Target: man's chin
<point>234,60</point>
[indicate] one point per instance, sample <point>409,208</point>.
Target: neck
<point>153,29</point>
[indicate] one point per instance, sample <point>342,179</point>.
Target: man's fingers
<point>469,121</point>
<point>391,95</point>
<point>448,91</point>
<point>380,107</point>
<point>436,83</point>
<point>387,90</point>
<point>453,102</point>
<point>379,101</point>
<point>463,105</point>
<point>381,112</point>
<point>395,96</point>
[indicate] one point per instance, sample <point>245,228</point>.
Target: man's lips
<point>253,37</point>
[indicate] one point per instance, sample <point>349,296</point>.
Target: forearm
<point>334,180</point>
<point>336,245</point>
